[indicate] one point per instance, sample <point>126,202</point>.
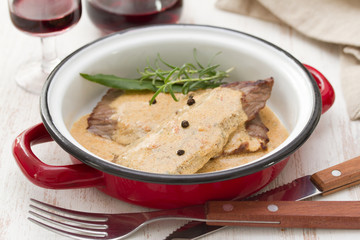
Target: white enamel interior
<point>70,96</point>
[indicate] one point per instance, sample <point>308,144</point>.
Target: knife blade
<point>324,182</point>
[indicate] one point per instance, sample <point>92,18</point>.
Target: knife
<point>324,182</point>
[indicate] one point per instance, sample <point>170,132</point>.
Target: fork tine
<point>72,221</point>
<point>69,222</point>
<point>65,233</point>
<point>68,226</point>
<point>96,217</point>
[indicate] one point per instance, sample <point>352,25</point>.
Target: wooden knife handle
<point>285,214</point>
<point>338,177</point>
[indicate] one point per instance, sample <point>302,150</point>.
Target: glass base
<point>31,77</point>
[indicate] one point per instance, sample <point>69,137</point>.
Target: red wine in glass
<point>42,18</point>
<point>114,15</point>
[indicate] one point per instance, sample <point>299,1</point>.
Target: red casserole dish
<point>300,95</point>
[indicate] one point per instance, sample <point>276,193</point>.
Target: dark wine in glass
<point>42,18</point>
<point>114,15</point>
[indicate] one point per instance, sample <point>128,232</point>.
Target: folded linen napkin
<point>333,21</point>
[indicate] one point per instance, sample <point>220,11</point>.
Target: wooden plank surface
<point>335,139</point>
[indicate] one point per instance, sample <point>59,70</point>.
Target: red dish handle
<point>48,176</point>
<point>326,90</point>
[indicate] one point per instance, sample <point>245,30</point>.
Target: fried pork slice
<point>252,136</point>
<point>175,149</point>
<point>277,134</point>
<point>125,118</point>
<point>256,93</point>
<point>100,121</point>
<point>248,137</point>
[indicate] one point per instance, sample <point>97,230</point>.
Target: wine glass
<point>44,19</point>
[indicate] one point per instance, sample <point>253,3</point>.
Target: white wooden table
<point>335,139</point>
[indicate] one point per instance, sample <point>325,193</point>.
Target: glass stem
<point>49,55</point>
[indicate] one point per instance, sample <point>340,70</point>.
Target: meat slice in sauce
<point>256,93</point>
<point>173,149</point>
<point>100,121</point>
<point>252,136</point>
<point>126,118</point>
<point>277,134</point>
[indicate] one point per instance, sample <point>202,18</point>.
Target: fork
<point>86,226</point>
<point>280,214</point>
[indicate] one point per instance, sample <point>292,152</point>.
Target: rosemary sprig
<point>188,77</point>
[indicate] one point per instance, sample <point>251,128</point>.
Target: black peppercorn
<point>153,102</point>
<point>190,101</point>
<point>185,124</point>
<point>180,152</point>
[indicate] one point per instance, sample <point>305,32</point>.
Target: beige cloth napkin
<point>333,21</point>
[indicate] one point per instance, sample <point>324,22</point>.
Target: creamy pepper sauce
<point>110,150</point>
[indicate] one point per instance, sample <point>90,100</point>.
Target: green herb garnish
<point>188,77</point>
